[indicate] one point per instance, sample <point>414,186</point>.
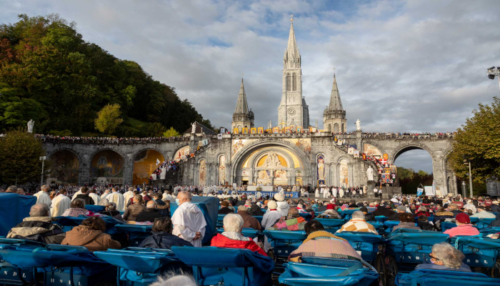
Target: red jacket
<point>221,241</point>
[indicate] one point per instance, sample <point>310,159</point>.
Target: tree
<point>20,158</point>
<point>171,133</point>
<point>108,119</point>
<point>478,142</point>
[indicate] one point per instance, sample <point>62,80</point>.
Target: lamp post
<point>494,72</point>
<point>42,158</point>
<point>470,176</point>
<point>464,187</point>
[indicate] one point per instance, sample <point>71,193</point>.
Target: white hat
<point>279,197</point>
<point>272,205</point>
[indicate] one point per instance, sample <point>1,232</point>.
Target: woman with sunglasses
<point>445,257</point>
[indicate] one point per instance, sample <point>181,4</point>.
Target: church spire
<point>241,104</point>
<point>292,54</point>
<point>335,102</point>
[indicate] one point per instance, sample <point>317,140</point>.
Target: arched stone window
<point>329,127</point>
<point>294,82</point>
<point>336,128</point>
<point>343,128</point>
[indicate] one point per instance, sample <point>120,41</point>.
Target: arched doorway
<point>65,168</point>
<point>414,169</point>
<point>145,162</point>
<point>107,167</point>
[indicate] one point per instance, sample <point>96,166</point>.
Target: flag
<point>157,161</point>
<point>420,191</point>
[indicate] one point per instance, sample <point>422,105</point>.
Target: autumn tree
<point>20,158</point>
<point>478,142</point>
<point>171,133</point>
<point>108,119</point>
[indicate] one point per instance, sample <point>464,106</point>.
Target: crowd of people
<point>106,140</point>
<point>187,225</point>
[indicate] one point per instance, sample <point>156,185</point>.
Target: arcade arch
<point>145,162</point>
<point>65,167</point>
<point>107,167</point>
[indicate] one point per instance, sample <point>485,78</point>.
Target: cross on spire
<point>291,18</point>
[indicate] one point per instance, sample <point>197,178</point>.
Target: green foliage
<point>171,133</point>
<point>60,133</point>
<point>108,119</point>
<point>478,141</point>
<point>48,73</point>
<point>20,156</point>
<point>409,180</point>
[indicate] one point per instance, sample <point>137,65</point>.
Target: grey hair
<point>130,189</point>
<point>449,255</point>
<point>104,202</point>
<point>151,204</point>
<point>39,210</point>
<point>358,214</point>
<point>111,206</point>
<point>44,188</point>
<point>11,189</point>
<point>171,279</point>
<point>233,222</point>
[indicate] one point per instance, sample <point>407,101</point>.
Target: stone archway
<point>65,167</point>
<point>109,165</point>
<point>145,162</point>
<point>242,155</point>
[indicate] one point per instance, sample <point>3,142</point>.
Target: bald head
<point>184,197</point>
<point>38,210</point>
<point>151,205</point>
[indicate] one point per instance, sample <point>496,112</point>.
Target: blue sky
<point>416,65</point>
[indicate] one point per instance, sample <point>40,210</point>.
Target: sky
<point>401,66</point>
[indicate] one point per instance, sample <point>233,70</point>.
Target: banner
<point>420,191</point>
<point>219,136</point>
<point>429,191</point>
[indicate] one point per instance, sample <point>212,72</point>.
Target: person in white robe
<point>76,194</point>
<point>128,195</point>
<point>60,204</point>
<point>188,220</point>
<point>42,197</point>
<point>95,197</point>
<point>259,195</point>
<point>341,193</point>
<point>326,193</point>
<point>167,196</point>
<point>316,193</point>
<point>105,194</point>
<point>117,198</point>
<point>334,192</point>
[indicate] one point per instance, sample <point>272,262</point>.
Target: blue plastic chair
<point>247,232</point>
<point>406,248</point>
<point>370,247</point>
<point>347,213</point>
<point>328,271</point>
<point>285,241</point>
<point>61,264</point>
<point>230,266</point>
<point>136,233</point>
<point>390,224</point>
<point>14,275</point>
<point>428,277</point>
<point>95,208</point>
<point>381,218</point>
<point>331,225</point>
<point>140,266</point>
<point>479,252</point>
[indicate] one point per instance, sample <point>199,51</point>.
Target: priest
<point>189,222</point>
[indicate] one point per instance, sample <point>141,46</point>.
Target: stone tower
<point>293,109</point>
<point>242,117</point>
<point>334,115</point>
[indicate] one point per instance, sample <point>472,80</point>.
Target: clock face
<point>291,111</point>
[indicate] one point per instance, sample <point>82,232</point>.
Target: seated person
<point>133,210</point>
<point>442,214</point>
<point>84,195</point>
<point>463,226</point>
<point>292,222</point>
<point>38,226</point>
<point>90,234</point>
<point>358,224</point>
<point>111,211</point>
<point>77,208</point>
<point>454,209</point>
<point>406,221</point>
<point>224,208</point>
<point>162,236</point>
<point>422,211</point>
<point>320,243</point>
<point>271,217</point>
<point>330,213</point>
<point>382,211</point>
<point>248,220</point>
<point>445,257</point>
<point>149,214</point>
<point>424,223</point>
<point>255,210</point>
<point>396,216</point>
<point>161,206</point>
<point>482,213</point>
<point>232,237</point>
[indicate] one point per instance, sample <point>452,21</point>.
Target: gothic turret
<point>334,115</point>
<point>242,116</point>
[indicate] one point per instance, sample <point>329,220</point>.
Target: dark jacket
<point>425,225</point>
<point>495,208</point>
<point>114,214</point>
<point>370,217</point>
<point>38,229</point>
<point>148,215</point>
<point>163,240</point>
<point>225,210</point>
<point>456,212</point>
<point>86,198</point>
<point>249,221</point>
<point>394,217</point>
<point>255,210</point>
